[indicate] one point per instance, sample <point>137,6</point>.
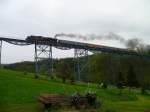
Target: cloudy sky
<point>21,18</point>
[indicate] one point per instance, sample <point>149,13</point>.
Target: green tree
<point>99,68</point>
<point>143,68</point>
<point>131,79</point>
<point>120,82</point>
<point>63,71</point>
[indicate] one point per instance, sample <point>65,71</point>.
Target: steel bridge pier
<point>0,53</point>
<point>79,58</point>
<point>43,53</point>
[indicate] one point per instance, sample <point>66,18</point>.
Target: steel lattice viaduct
<point>43,45</point>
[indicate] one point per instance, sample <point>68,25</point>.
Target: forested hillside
<point>98,68</point>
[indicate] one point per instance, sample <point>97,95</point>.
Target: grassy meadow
<point>18,94</point>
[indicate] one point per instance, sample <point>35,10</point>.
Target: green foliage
<point>21,66</point>
<point>131,78</point>
<point>104,85</point>
<point>110,110</point>
<point>99,68</point>
<point>64,71</point>
<point>120,81</point>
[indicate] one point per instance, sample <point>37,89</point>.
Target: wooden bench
<point>77,100</point>
<point>50,100</point>
<point>147,110</point>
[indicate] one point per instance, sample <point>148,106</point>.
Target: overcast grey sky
<point>20,18</point>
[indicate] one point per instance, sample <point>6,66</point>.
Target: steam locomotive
<point>78,45</point>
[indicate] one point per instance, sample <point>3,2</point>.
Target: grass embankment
<point>18,94</point>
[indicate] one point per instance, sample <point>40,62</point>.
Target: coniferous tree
<point>131,79</point>
<point>120,82</point>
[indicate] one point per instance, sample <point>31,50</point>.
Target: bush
<point>110,110</point>
<point>25,73</point>
<point>104,86</point>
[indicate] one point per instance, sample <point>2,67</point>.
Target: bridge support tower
<point>80,61</point>
<point>1,53</point>
<point>43,53</point>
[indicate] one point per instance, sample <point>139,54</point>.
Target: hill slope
<point>18,94</point>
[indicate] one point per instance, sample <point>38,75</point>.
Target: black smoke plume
<point>134,43</point>
<point>108,36</point>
